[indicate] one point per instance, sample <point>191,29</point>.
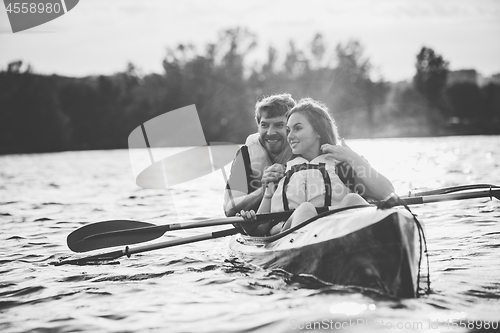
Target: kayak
<point>367,247</point>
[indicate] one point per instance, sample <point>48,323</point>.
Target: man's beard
<point>274,143</point>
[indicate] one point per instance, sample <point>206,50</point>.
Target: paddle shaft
<point>157,231</point>
<point>451,189</point>
<point>453,196</point>
<point>211,223</point>
<point>127,251</point>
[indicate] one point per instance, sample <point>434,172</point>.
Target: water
<point>199,287</point>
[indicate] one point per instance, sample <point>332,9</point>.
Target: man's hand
<point>342,153</point>
<point>247,216</point>
<point>273,174</point>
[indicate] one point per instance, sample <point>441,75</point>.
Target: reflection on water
<point>198,287</point>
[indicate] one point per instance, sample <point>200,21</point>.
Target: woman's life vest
<point>317,182</point>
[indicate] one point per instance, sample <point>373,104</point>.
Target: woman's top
<point>314,181</point>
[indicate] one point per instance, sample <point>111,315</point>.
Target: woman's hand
<point>375,185</point>
<point>269,191</point>
<point>341,153</point>
<point>273,174</point>
<point>247,215</point>
<point>248,228</point>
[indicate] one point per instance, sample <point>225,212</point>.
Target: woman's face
<point>302,137</point>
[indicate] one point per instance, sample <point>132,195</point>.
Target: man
<point>261,160</point>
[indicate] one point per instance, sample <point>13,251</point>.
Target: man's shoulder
<point>255,153</point>
<point>252,139</point>
<point>255,148</point>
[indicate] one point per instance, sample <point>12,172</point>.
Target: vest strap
<point>248,168</point>
<point>304,166</point>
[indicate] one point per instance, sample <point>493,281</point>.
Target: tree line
<point>40,113</point>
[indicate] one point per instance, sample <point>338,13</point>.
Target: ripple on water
<point>136,277</point>
<point>22,291</point>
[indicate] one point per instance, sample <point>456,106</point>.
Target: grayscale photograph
<point>249,166</point>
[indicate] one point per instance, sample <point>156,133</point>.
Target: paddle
<point>123,232</point>
<point>451,189</point>
<point>453,196</point>
<point>127,251</point>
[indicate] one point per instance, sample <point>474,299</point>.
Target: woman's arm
<point>368,180</point>
<point>265,207</point>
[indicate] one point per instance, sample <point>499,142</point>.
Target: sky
<point>102,36</point>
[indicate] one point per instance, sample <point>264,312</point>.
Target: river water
<point>200,287</point>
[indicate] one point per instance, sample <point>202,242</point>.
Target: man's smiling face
<point>272,133</point>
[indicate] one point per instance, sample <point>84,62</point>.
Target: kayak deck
<point>364,247</point>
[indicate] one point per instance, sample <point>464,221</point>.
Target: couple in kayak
<point>297,161</point>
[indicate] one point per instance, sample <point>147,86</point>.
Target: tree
<point>354,88</point>
<point>295,62</point>
<point>318,49</point>
<point>491,93</point>
<point>14,66</point>
<point>430,81</point>
<point>272,55</point>
<point>214,81</point>
<point>466,100</point>
<point>31,119</point>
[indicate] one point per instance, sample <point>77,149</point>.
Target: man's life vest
<point>248,167</point>
<point>258,161</point>
<point>321,182</point>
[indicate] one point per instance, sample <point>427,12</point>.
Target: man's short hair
<point>274,106</point>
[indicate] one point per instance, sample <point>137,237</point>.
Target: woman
<point>318,173</point>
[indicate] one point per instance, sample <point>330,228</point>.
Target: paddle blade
<point>84,239</point>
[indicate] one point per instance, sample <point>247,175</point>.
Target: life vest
<point>248,166</point>
<point>317,182</point>
<point>258,161</point>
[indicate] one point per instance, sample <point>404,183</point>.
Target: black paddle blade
<point>87,237</point>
